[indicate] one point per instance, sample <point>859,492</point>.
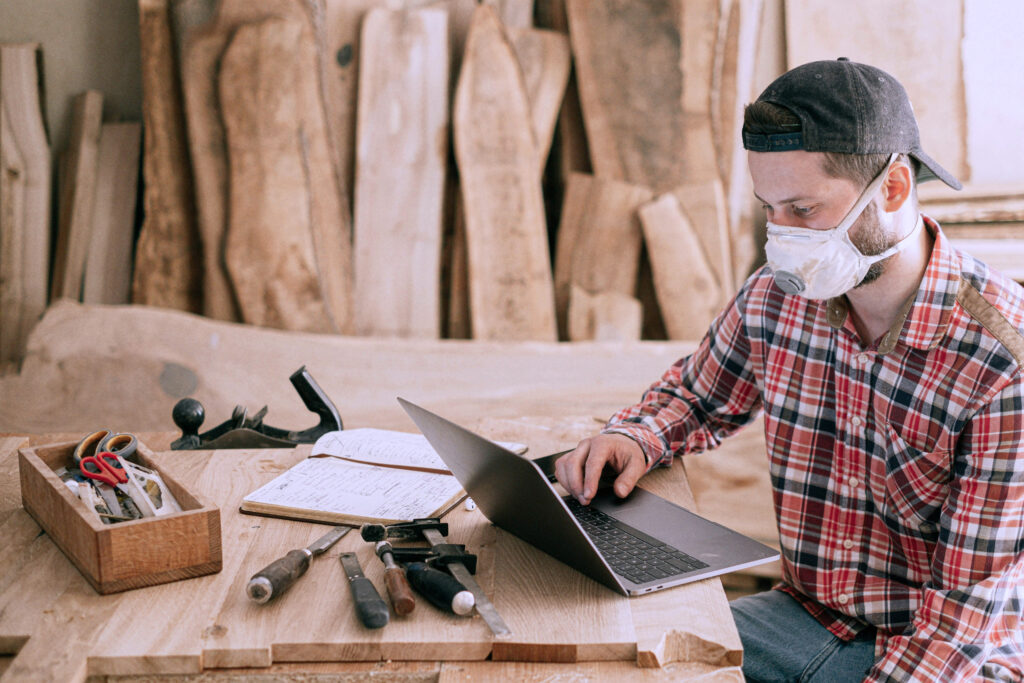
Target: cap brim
<point>931,170</point>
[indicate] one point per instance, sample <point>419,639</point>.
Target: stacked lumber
<point>97,185</point>
<point>420,168</point>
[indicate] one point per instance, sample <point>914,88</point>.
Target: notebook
<point>635,545</point>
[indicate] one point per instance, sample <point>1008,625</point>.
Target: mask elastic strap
<point>865,197</point>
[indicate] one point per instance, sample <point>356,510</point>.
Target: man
<point>887,366</point>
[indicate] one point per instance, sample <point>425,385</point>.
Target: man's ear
<point>897,187</point>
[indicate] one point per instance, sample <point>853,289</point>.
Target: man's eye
<point>801,210</point>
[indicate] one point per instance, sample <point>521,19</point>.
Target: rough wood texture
<point>606,316</point>
<point>632,107</point>
<point>732,89</point>
<point>704,205</point>
<point>285,244</point>
<point>401,160</point>
<point>24,199</point>
<point>168,254</point>
<point>77,196</point>
<point>599,239</point>
<point>209,622</point>
<point>888,36</point>
<point>89,365</point>
<point>108,265</point>
<point>203,29</point>
<point>510,280</point>
<point>687,288</point>
<point>544,57</point>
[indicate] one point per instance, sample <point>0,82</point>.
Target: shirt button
<point>862,358</point>
<point>854,482</point>
<point>856,420</point>
<point>843,598</point>
<point>847,544</point>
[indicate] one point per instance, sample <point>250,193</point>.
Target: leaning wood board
<point>632,95</point>
<point>168,261</point>
<point>208,622</point>
<point>888,35</point>
<point>108,264</point>
<point>687,288</point>
<point>77,196</point>
<point>284,229</point>
<point>544,57</point>
<point>598,242</point>
<point>401,161</point>
<point>203,29</point>
<point>25,197</point>
<point>510,283</point>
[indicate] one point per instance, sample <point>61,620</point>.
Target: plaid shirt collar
<point>925,318</point>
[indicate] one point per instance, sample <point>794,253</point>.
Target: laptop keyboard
<point>630,552</point>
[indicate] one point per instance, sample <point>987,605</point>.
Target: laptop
<point>633,545</point>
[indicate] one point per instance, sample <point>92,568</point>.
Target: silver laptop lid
<point>530,508</point>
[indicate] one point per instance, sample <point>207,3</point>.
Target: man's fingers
<point>630,475</point>
<point>569,468</point>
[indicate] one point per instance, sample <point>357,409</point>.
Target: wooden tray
<point>126,555</point>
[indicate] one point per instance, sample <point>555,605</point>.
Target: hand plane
<point>242,431</point>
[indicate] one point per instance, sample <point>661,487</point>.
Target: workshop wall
<point>94,47</point>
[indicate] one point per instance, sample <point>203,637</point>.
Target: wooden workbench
<point>58,628</point>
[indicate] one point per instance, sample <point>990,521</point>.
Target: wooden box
<point>126,555</point>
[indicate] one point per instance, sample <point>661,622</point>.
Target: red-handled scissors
<point>105,467</point>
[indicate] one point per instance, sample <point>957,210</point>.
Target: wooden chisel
<point>370,607</point>
<point>279,575</point>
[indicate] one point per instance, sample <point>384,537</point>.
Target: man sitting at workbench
<point>888,367</point>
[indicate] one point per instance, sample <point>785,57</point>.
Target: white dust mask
<point>821,264</point>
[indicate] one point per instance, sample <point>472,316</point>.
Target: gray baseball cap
<point>848,108</point>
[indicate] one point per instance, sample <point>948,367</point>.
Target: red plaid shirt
<point>897,469</point>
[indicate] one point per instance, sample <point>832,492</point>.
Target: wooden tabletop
<point>54,626</point>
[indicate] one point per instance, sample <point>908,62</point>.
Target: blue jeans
<point>782,642</point>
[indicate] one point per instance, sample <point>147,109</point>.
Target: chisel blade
<point>322,544</point>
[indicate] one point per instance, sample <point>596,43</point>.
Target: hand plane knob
<point>188,414</point>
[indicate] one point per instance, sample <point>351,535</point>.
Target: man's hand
<point>580,470</point>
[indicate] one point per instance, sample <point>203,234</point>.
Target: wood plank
<point>513,13</point>
<point>732,90</point>
<point>544,57</point>
<point>598,240</point>
<point>285,242</point>
<point>510,289</point>
<point>108,265</point>
<point>705,206</point>
<point>632,108</point>
<point>698,35</point>
<point>25,198</point>
<point>887,36</point>
<point>163,646</point>
<point>401,160</point>
<point>83,356</point>
<point>342,22</point>
<point>689,296</point>
<point>203,28</point>
<point>77,196</point>
<point>605,316</point>
<point>168,254</point>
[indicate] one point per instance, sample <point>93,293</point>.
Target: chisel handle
<point>370,607</point>
<point>441,589</point>
<point>401,595</point>
<point>278,576</point>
